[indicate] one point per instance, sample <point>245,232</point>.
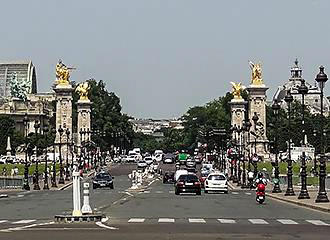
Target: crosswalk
<point>172,192</point>
<point>254,221</point>
<point>17,222</point>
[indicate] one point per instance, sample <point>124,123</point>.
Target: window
<point>217,177</point>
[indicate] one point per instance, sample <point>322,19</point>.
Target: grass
<point>41,168</point>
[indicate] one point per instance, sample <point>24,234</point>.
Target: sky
<point>163,56</point>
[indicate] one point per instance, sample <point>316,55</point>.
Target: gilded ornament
<point>83,89</point>
<point>62,73</point>
<point>256,78</point>
<point>237,87</point>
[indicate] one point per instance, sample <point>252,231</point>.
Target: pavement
<point>155,212</point>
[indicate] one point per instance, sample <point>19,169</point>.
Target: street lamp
<point>54,161</point>
<point>289,191</point>
<point>26,185</point>
<point>222,137</point>
<point>303,90</point>
<point>60,132</point>
<point>46,187</point>
<point>239,173</point>
<point>321,78</point>
<point>245,129</point>
<point>276,107</point>
<point>233,166</point>
<point>67,174</point>
<point>255,159</point>
<point>36,173</point>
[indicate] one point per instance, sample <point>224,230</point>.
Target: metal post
<point>36,184</point>
<point>26,185</point>
<point>276,189</point>
<point>61,180</point>
<point>46,187</point>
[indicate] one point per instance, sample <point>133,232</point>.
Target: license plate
<point>261,197</point>
<point>102,185</point>
<point>189,184</point>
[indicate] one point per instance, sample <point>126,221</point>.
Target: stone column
<point>257,103</point>
<point>84,118</point>
<point>237,111</point>
<point>63,112</point>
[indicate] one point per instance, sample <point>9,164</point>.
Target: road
<point>157,213</point>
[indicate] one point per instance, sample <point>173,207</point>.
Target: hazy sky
<point>163,56</point>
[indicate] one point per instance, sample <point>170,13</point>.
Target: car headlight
<point>95,182</point>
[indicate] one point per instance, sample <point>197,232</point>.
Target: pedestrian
<point>4,171</point>
<point>250,179</point>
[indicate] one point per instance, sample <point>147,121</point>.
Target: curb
<point>70,183</point>
<point>299,203</point>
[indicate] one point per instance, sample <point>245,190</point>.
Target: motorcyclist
<point>260,179</point>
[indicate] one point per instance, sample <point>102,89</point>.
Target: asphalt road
<point>157,213</point>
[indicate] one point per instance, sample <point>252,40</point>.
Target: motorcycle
<point>260,198</point>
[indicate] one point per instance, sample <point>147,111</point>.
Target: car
<point>103,179</point>
<point>190,163</point>
<point>142,164</point>
<point>178,173</point>
<point>148,160</point>
<point>216,182</point>
<point>188,183</point>
<point>168,177</point>
<point>130,159</point>
<point>168,158</point>
<point>158,157</point>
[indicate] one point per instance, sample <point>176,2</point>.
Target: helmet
<point>260,175</point>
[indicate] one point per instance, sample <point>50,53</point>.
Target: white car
<point>216,181</point>
<point>141,164</point>
<point>159,157</point>
<point>148,160</point>
<point>130,159</point>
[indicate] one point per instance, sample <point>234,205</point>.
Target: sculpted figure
<point>83,89</point>
<point>237,87</point>
<point>62,73</point>
<point>256,78</point>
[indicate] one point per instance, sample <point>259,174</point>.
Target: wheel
<point>111,186</point>
<point>205,191</point>
<point>225,192</point>
<point>94,187</point>
<point>177,192</point>
<point>199,192</point>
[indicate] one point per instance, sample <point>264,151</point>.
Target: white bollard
<point>76,194</point>
<point>86,208</point>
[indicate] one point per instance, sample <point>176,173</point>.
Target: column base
<point>322,198</point>
<point>303,195</point>
<point>276,189</point>
<point>36,187</point>
<point>289,192</point>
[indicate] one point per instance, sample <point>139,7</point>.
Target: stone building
<point>312,99</point>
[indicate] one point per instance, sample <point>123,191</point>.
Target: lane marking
<point>248,193</point>
<point>258,221</point>
<point>20,195</point>
<point>197,220</point>
<point>234,193</point>
<point>146,192</point>
<point>318,222</point>
<point>136,220</point>
<point>171,191</point>
<point>159,192</point>
<point>166,220</point>
<point>226,220</point>
<point>286,221</point>
<point>130,194</point>
<point>100,224</point>
<point>2,221</point>
<point>24,221</point>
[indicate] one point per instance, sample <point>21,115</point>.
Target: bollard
<point>76,194</point>
<point>86,208</point>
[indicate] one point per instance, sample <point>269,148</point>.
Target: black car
<point>168,177</point>
<point>188,183</point>
<point>103,179</point>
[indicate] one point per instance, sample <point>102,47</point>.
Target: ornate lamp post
<point>36,173</point>
<point>289,191</point>
<point>54,161</point>
<point>321,78</point>
<point>239,172</point>
<point>255,120</point>
<point>276,107</point>
<point>46,187</point>
<point>26,185</point>
<point>60,132</point>
<point>67,173</point>
<point>303,90</point>
<point>245,129</point>
<point>234,157</point>
<point>222,137</point>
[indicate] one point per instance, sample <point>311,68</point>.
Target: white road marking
<point>130,194</point>
<point>286,221</point>
<point>234,193</point>
<point>136,220</point>
<point>171,191</point>
<point>146,192</point>
<point>100,224</point>
<point>226,220</point>
<point>24,221</point>
<point>197,220</point>
<point>248,193</point>
<point>318,222</point>
<point>166,220</point>
<point>159,191</point>
<point>258,221</point>
<point>20,195</point>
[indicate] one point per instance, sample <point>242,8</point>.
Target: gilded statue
<point>256,78</point>
<point>62,73</point>
<point>237,87</point>
<point>83,89</point>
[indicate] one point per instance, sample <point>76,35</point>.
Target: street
<point>156,212</point>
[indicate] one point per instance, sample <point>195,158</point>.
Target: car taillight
<point>197,183</point>
<point>206,182</point>
<point>180,183</point>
